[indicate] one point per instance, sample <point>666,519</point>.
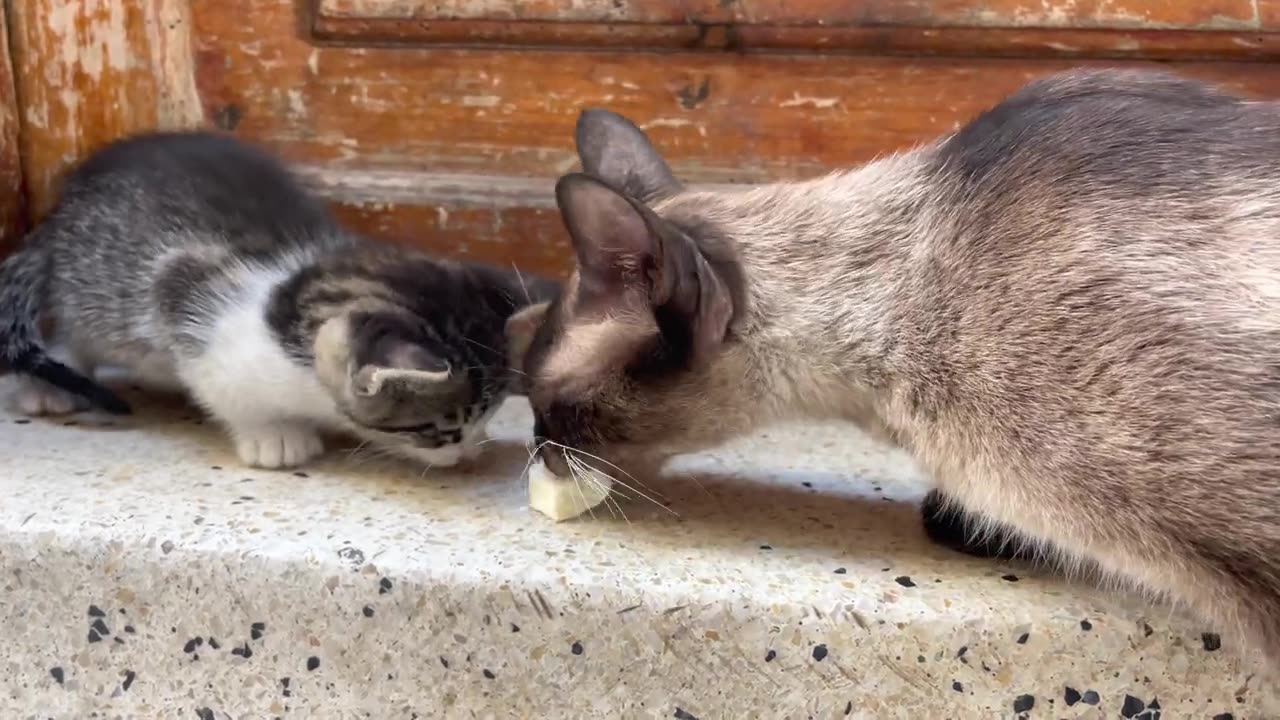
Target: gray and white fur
<point>199,264</point>
<point>1068,311</point>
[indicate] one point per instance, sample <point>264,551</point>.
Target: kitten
<point>198,263</point>
<point>1068,311</point>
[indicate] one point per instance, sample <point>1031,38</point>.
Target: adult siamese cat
<point>1068,311</point>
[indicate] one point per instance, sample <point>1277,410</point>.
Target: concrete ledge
<point>147,575</point>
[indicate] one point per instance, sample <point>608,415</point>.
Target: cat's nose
<point>552,457</point>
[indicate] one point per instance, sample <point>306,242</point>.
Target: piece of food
<point>561,498</point>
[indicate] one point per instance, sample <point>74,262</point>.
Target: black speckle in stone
<point>682,714</point>
<point>1224,716</point>
<point>213,643</point>
<point>960,653</point>
<point>515,628</point>
<point>130,629</point>
<point>444,662</point>
<point>1146,630</point>
<point>1086,625</point>
<point>313,662</point>
<point>904,581</point>
<point>576,648</point>
<point>204,714</point>
<point>1154,705</point>
<point>243,651</point>
<point>57,674</point>
<point>766,547</point>
<point>301,474</point>
<point>96,612</point>
<point>806,483</point>
<point>489,674</point>
<point>256,630</point>
<point>848,707</point>
<point>384,586</point>
<point>94,636</point>
<point>192,644</point>
<point>957,686</point>
<point>1071,695</point>
<point>1132,707</point>
<point>819,652</point>
<point>1212,641</point>
<point>368,611</point>
<point>1090,697</point>
<point>1022,639</point>
<point>919,658</point>
<point>101,627</point>
<point>129,677</point>
<point>841,571</point>
<point>1009,578</point>
<point>119,640</point>
<point>1024,703</point>
<point>22,421</point>
<point>769,656</point>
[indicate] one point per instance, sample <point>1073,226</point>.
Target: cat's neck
<point>825,262</point>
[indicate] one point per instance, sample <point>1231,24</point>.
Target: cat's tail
<point>23,281</point>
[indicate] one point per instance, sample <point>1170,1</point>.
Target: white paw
<point>37,397</point>
<point>278,447</point>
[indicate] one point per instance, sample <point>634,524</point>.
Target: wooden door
<point>444,123</point>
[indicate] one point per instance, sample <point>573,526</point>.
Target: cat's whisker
<point>575,472</point>
<point>525,288</point>
<point>610,502</point>
<point>613,478</point>
<point>355,450</point>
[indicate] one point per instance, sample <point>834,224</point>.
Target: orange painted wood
<point>90,71</point>
<point>13,212</point>
<point>419,127</point>
<point>1040,28</point>
<point>1139,14</point>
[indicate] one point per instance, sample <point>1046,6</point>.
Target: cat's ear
<point>611,237</point>
<point>625,251</point>
<point>613,149</point>
<point>520,329</point>
<point>392,358</point>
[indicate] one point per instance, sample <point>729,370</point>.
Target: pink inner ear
<point>612,241</point>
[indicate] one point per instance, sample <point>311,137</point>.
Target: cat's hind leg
<point>1228,574</point>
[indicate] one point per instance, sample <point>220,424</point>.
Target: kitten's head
<point>403,389</point>
<point>638,352</point>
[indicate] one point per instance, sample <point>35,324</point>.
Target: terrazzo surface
<point>146,574</point>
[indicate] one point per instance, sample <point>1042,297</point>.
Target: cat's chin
<point>441,457</point>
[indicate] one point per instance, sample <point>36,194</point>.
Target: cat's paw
<point>279,446</point>
<point>37,397</point>
<point>446,456</point>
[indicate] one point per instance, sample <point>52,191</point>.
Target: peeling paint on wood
<point>13,220</point>
<point>90,71</point>
<point>1080,28</point>
<point>1093,14</point>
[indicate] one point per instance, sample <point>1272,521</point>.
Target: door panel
<point>445,124</point>
<point>1121,27</point>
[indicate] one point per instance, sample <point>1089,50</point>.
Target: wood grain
<point>13,212</point>
<point>91,71</point>
<point>1109,14</point>
<point>455,150</point>
<point>1026,28</point>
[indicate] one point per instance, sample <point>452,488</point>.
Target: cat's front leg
<point>276,445</point>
